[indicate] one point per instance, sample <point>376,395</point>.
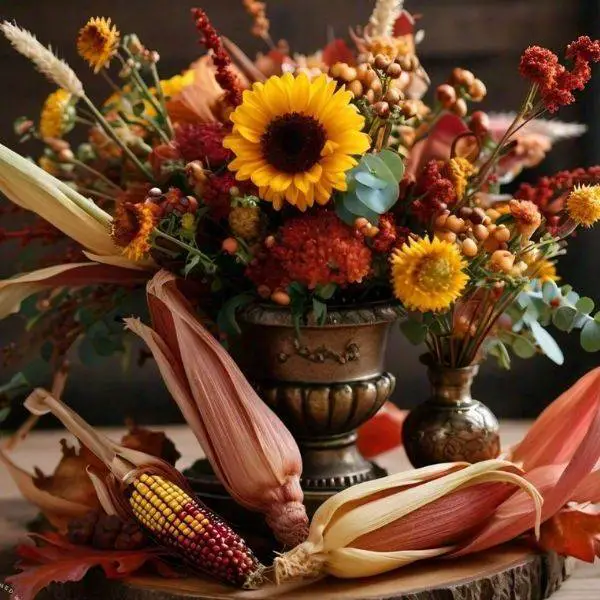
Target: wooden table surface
<point>42,449</point>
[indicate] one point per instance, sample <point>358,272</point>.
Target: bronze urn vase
<point>451,425</point>
<point>323,381</point>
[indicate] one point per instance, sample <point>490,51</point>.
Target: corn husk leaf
<point>360,531</point>
<point>251,451</point>
<point>15,290</point>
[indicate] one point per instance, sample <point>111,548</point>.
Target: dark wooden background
<point>486,36</point>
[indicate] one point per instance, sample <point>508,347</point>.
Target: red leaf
<point>381,433</point>
<point>59,560</point>
<point>574,531</point>
<point>337,51</point>
<point>404,25</point>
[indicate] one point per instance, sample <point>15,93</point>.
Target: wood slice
<point>512,572</point>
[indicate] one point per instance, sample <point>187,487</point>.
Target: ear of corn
<point>181,523</point>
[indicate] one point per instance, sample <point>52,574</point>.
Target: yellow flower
<point>583,204</point>
<point>132,228</point>
<point>460,170</point>
<point>98,42</point>
<point>428,275</point>
<point>57,114</point>
<point>295,139</point>
<point>49,165</point>
<point>545,271</point>
<point>174,86</point>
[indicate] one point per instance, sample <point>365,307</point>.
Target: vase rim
<point>426,360</point>
<point>358,315</point>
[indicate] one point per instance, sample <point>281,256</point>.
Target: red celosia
<point>217,193</point>
<point>433,191</point>
<point>314,249</point>
<point>549,193</point>
<point>556,82</point>
<point>204,142</point>
<point>390,235</point>
<point>225,75</point>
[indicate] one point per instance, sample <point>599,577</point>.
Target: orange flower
<point>133,227</point>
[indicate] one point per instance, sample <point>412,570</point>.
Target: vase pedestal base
<point>511,571</point>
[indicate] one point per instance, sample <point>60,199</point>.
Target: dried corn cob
<point>179,522</point>
<point>152,491</point>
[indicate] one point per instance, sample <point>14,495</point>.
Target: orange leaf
<point>381,433</point>
<point>574,531</point>
<point>59,560</point>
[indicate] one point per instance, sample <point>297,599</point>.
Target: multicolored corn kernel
<point>183,524</point>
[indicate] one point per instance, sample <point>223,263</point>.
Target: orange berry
<point>281,297</point>
<point>230,245</point>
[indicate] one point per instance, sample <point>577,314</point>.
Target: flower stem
<point>96,174</point>
<point>161,97</point>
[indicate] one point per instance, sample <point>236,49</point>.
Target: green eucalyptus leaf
<point>369,180</point>
<point>590,336</point>
<point>357,208</point>
<point>319,310</point>
<point>585,305</point>
<point>564,318</point>
<point>227,317</point>
<point>393,162</point>
<point>547,343</point>
<point>414,331</point>
<point>326,291</point>
<point>523,347</point>
<point>17,384</point>
<point>343,213</point>
<point>380,200</point>
<point>4,412</point>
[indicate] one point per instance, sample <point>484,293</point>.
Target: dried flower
<point>460,169</point>
<point>245,220</point>
<point>428,275</point>
<point>133,226</point>
<point>313,249</point>
<point>57,115</point>
<point>539,65</point>
<point>55,69</point>
<point>389,235</point>
<point>98,42</point>
<point>257,10</point>
<point>544,271</point>
<point>583,204</point>
<point>527,217</point>
<point>204,142</point>
<point>384,16</point>
<point>225,75</point>
<point>434,191</point>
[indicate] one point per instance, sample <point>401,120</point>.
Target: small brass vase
<point>451,425</point>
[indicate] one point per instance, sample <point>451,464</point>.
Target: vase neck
<point>452,386</point>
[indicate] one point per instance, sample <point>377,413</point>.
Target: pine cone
<point>106,532</point>
<point>245,221</point>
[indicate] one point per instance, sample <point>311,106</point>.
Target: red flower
<point>217,193</point>
<point>585,49</point>
<point>204,142</point>
<point>313,249</point>
<point>538,64</point>
<point>434,192</point>
<point>390,235</point>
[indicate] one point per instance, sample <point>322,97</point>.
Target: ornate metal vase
<point>323,381</point>
<point>451,425</point>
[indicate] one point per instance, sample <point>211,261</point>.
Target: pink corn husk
<point>559,455</point>
<point>253,454</point>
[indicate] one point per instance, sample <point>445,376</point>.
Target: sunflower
<point>295,139</point>
<point>132,228</point>
<point>428,275</point>
<point>58,115</point>
<point>583,204</point>
<point>98,42</point>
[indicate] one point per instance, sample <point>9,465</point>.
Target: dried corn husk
<point>253,454</point>
<point>381,525</point>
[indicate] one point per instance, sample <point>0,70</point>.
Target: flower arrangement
<point>307,182</point>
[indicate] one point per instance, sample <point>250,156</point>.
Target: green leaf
<point>550,291</point>
<point>326,291</point>
<point>17,384</point>
<point>523,347</point>
<point>597,317</point>
<point>585,305</point>
<point>590,336</point>
<point>138,109</point>
<point>106,345</point>
<point>498,349</point>
<point>4,412</point>
<point>86,317</point>
<point>564,318</point>
<point>319,310</point>
<point>393,162</point>
<point>191,264</point>
<point>227,317</point>
<point>369,180</point>
<point>546,343</point>
<point>414,331</point>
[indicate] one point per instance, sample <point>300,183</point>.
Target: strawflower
<point>133,227</point>
<point>57,115</point>
<point>98,42</point>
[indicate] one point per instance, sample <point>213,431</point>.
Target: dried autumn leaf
<point>57,560</point>
<point>381,433</point>
<point>151,442</point>
<point>574,531</point>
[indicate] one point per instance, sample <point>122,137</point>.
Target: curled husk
<point>381,525</point>
<point>253,454</point>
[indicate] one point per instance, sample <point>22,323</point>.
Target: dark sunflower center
<point>293,142</point>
